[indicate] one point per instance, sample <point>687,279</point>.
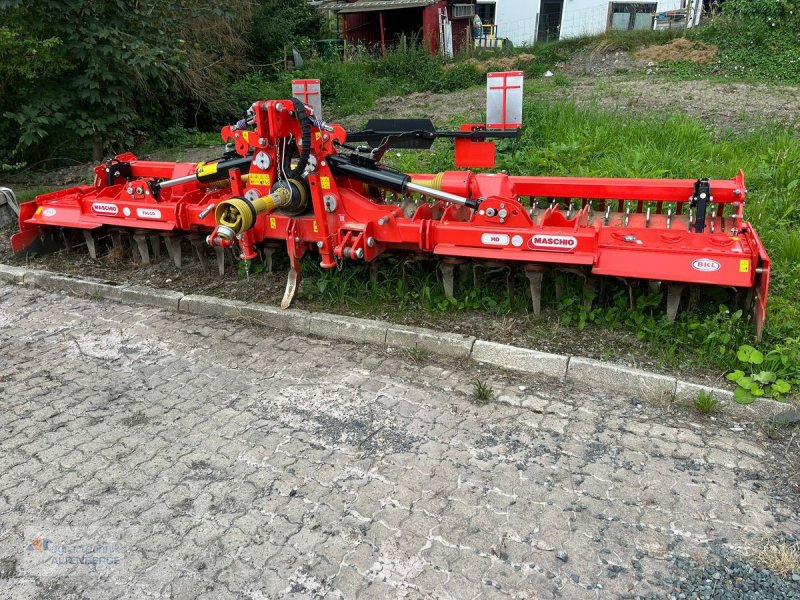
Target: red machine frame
<point>625,228</point>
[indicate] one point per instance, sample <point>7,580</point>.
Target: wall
<point>516,19</point>
<point>590,17</point>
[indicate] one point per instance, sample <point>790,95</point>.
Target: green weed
<point>706,403</point>
<point>770,375</point>
<point>481,391</point>
<point>418,354</point>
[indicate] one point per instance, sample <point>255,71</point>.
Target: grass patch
<point>779,557</point>
<point>481,391</point>
<point>418,354</point>
<point>707,404</point>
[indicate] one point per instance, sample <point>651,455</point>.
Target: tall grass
<point>352,86</point>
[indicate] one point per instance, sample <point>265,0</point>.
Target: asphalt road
<point>151,454</point>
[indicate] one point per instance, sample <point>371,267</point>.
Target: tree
<point>93,73</point>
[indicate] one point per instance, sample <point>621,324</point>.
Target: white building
<point>527,21</point>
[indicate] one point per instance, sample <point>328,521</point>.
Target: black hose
<point>305,129</point>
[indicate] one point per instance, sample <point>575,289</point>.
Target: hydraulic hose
<point>305,132</point>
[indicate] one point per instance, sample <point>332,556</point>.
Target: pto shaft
<point>236,215</point>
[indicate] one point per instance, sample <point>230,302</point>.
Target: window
<point>632,15</point>
<point>486,11</point>
<point>463,11</point>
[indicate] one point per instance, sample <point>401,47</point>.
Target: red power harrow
<point>287,177</point>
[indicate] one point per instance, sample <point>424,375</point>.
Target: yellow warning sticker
<point>273,224</point>
<point>744,266</point>
<point>316,229</point>
<point>259,179</point>
<point>325,182</point>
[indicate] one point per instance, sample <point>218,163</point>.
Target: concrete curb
<point>338,327</point>
<point>642,384</point>
<point>11,274</point>
<point>650,386</point>
<point>520,359</point>
<point>449,344</point>
<point>138,294</point>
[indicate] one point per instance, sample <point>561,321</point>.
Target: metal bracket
<point>700,200</point>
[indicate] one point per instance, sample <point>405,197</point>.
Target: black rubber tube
<point>382,178</point>
<point>305,131</point>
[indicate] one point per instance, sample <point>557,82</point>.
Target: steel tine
<point>155,245</point>
<point>674,292</point>
<point>477,275</point>
<point>535,274</point>
<point>90,243</point>
<point>447,269</point>
<point>373,272</point>
<point>510,281</point>
<point>589,291</point>
<point>559,284</point>
<point>65,241</point>
<point>199,245</point>
<point>173,244</point>
<point>220,254</point>
<point>141,246</point>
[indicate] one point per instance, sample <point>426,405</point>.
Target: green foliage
<point>418,354</point>
<point>352,86</point>
<point>756,40</point>
<point>83,74</point>
<point>706,403</point>
<point>481,391</point>
<point>771,375</point>
<point>276,26</point>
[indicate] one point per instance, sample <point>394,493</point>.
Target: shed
<point>442,25</point>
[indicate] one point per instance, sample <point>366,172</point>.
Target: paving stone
<point>343,470</point>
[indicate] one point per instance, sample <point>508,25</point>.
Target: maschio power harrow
<point>289,178</point>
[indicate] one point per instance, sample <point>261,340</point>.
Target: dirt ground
<point>727,106</point>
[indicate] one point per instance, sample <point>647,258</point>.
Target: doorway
<point>549,20</point>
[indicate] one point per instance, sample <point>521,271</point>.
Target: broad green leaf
<point>743,396</point>
<point>781,386</point>
<point>734,375</point>
<point>764,377</point>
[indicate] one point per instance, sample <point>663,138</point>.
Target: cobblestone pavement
<point>235,462</point>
